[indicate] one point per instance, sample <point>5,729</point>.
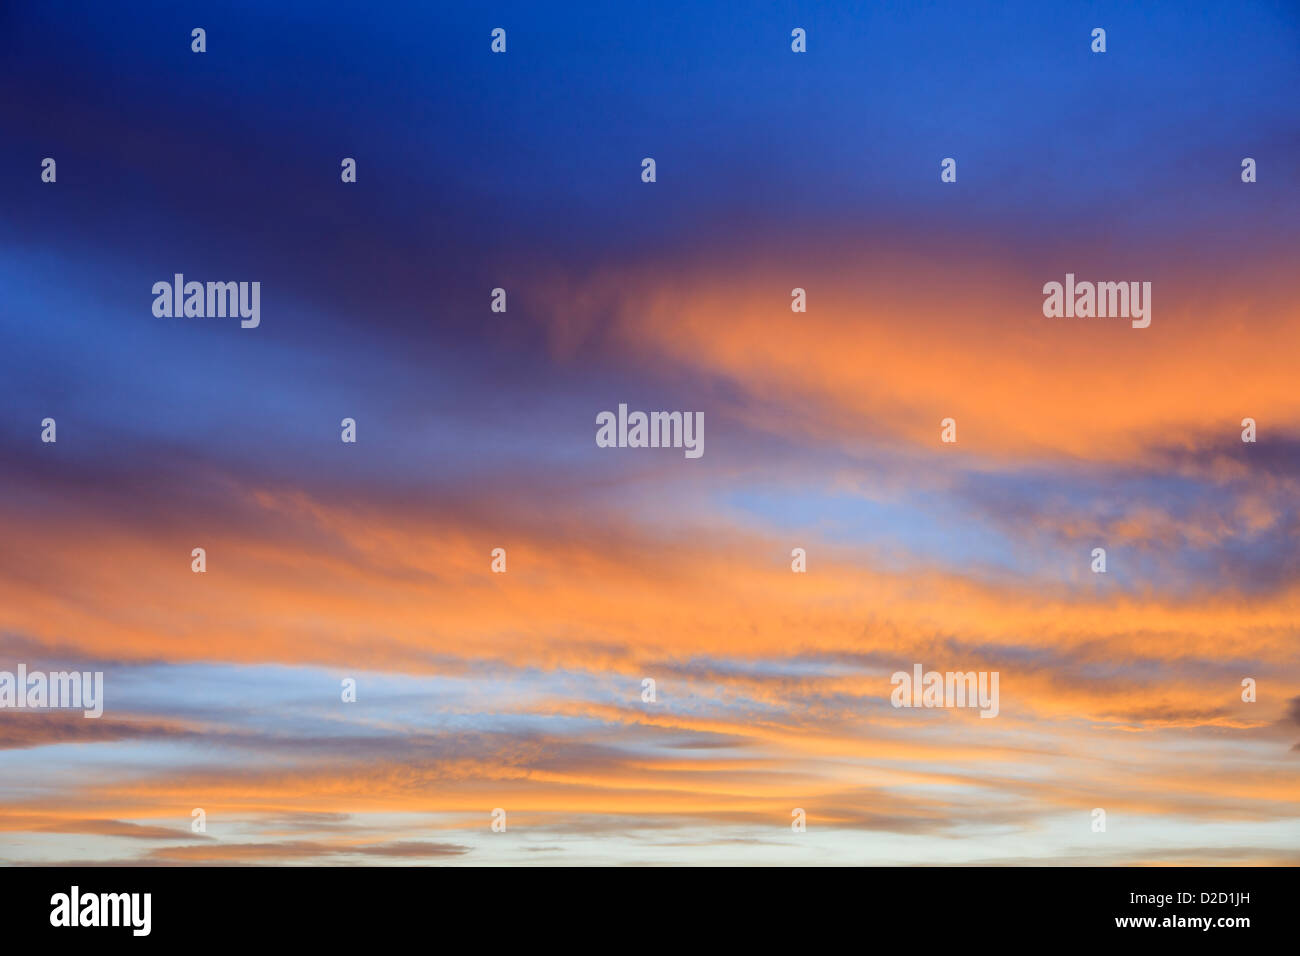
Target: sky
<point>371,562</point>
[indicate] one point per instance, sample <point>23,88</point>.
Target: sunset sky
<point>476,430</point>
